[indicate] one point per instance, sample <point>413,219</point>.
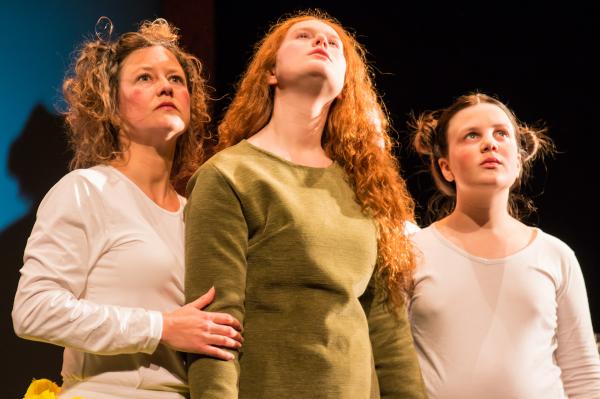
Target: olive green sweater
<point>291,256</point>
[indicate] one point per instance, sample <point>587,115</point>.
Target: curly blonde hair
<point>430,139</point>
<point>356,123</point>
<point>91,93</point>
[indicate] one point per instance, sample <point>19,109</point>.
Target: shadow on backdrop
<point>38,158</point>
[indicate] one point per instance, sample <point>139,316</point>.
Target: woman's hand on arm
<point>190,329</point>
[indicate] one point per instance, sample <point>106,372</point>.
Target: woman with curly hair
<point>499,309</point>
<point>103,267</point>
<point>297,222</point>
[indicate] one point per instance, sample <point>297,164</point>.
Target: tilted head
<point>92,94</point>
<point>438,133</point>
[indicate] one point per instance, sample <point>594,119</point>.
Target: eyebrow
<point>495,126</point>
<point>333,34</point>
<point>151,68</point>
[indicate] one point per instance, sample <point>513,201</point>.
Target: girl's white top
<point>517,327</point>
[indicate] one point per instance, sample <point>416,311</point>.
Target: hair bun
<point>424,127</point>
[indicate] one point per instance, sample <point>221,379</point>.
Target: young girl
<point>295,224</point>
<point>499,308</point>
<point>103,272</point>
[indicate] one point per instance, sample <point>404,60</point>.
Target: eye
<point>471,136</point>
<point>502,133</point>
<point>302,35</point>
<point>145,77</point>
<point>177,79</point>
<point>334,43</point>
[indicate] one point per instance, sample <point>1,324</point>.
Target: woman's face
<point>154,101</point>
<point>482,149</point>
<point>311,54</point>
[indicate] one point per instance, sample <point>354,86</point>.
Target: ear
<point>272,79</point>
<point>445,168</point>
<point>519,165</point>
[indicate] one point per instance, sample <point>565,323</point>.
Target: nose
<point>321,40</point>
<point>166,87</point>
<point>489,144</point>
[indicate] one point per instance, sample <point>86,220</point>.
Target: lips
<point>320,51</point>
<point>491,161</point>
<point>167,105</point>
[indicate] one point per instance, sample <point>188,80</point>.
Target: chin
<point>174,126</point>
<point>173,135</point>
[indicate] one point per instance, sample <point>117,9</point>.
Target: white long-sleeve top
<point>102,262</point>
<point>517,327</point>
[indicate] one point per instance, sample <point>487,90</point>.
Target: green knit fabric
<point>291,256</point>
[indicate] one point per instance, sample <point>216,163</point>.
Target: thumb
<point>205,299</point>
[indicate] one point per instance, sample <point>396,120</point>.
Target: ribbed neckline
<point>285,161</point>
<point>128,181</point>
<point>479,259</point>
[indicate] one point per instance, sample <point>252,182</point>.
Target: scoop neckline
<point>285,161</point>
<point>490,261</point>
<point>144,195</point>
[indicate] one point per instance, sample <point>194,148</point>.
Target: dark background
<point>540,60</point>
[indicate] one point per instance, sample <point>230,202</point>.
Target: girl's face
<point>482,149</point>
<point>154,101</point>
<point>310,51</point>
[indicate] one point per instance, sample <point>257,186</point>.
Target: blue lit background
<point>37,39</point>
<point>37,43</point>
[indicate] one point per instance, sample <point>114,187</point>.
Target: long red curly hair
<point>356,123</point>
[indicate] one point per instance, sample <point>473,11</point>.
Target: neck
<point>477,211</point>
<point>149,169</point>
<point>296,124</point>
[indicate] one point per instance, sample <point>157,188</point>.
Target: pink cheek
<point>186,98</point>
<point>463,157</point>
<point>136,97</point>
<point>132,102</point>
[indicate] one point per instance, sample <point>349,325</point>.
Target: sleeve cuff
<point>155,333</point>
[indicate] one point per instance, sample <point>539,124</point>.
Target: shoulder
<point>552,255</point>
<point>95,176</point>
<point>559,260</point>
<point>552,245</point>
<point>80,184</point>
<point>229,158</point>
<point>421,236</point>
<point>234,165</point>
<point>78,198</point>
<point>427,245</point>
<point>237,155</point>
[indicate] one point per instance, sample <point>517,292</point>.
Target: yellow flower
<point>43,389</point>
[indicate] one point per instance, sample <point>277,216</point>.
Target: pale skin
<point>154,104</point>
<point>483,161</point>
<point>308,76</point>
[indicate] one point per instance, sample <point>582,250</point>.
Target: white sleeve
<point>67,239</point>
<point>577,353</point>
